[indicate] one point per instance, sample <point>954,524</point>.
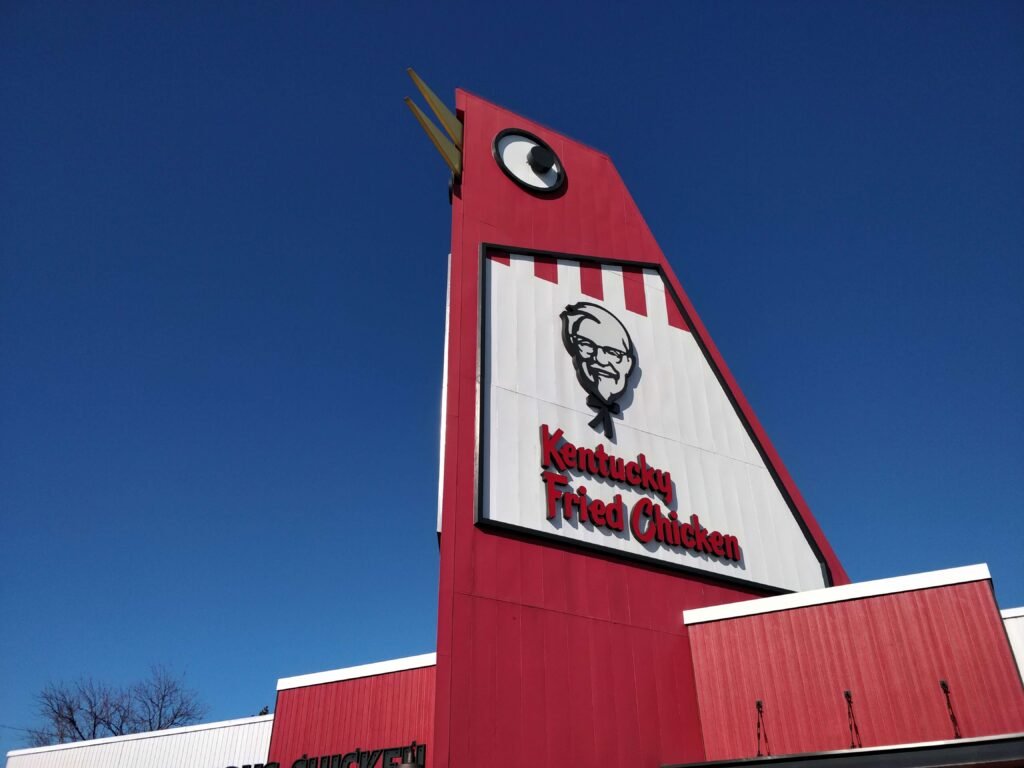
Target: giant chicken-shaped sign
<point>601,470</point>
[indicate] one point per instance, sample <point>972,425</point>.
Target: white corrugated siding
<point>212,745</point>
<point>1014,623</point>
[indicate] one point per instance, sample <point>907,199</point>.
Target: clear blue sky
<point>222,259</point>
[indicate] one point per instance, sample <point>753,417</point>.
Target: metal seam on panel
<point>841,593</point>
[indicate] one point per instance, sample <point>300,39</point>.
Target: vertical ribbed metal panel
<point>364,713</point>
<point>890,651</point>
<point>213,745</point>
<point>1015,631</point>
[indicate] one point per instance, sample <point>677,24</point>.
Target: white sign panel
<point>603,424</point>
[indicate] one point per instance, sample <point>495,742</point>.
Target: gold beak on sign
<point>450,148</point>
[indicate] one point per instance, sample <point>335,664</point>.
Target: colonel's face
<point>602,357</point>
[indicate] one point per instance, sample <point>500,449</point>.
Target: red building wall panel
<point>538,686</point>
<point>890,651</point>
<point>548,654</point>
<point>367,713</point>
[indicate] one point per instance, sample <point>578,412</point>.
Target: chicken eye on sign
<point>528,161</point>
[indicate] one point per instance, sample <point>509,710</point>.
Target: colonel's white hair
<point>574,314</point>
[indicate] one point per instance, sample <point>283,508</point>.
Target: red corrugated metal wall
<point>889,651</point>
<point>575,660</point>
<point>366,713</point>
<point>546,655</point>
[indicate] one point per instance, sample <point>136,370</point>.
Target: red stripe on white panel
<point>633,288</point>
<point>675,316</point>
<point>591,283</point>
<point>546,268</point>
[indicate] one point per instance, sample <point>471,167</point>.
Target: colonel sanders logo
<point>603,356</point>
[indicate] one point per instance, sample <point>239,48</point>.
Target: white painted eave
<point>864,589</point>
<point>144,735</point>
<point>363,670</point>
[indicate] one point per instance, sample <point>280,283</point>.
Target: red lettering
<point>585,460</point>
<point>569,454</point>
<point>581,493</point>
<point>549,448</point>
<point>616,515</point>
<point>666,530</point>
<point>559,454</point>
<point>633,473</point>
<point>665,487</point>
<point>643,508</point>
<point>568,499</point>
<point>716,541</point>
<point>686,536</point>
<point>701,535</point>
<point>646,474</point>
<point>647,520</point>
<point>551,479</point>
<point>732,547</point>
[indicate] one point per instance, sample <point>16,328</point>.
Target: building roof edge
<point>842,593</point>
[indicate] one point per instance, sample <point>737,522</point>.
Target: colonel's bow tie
<point>604,415</point>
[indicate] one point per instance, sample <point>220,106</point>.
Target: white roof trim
<point>144,735</point>
<point>363,670</point>
<point>1013,613</point>
<point>838,594</point>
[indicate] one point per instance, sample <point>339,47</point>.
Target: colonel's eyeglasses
<point>588,349</point>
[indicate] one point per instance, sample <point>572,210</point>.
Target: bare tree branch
<point>163,701</point>
<point>87,709</point>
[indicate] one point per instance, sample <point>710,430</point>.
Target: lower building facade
<point>919,670</point>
